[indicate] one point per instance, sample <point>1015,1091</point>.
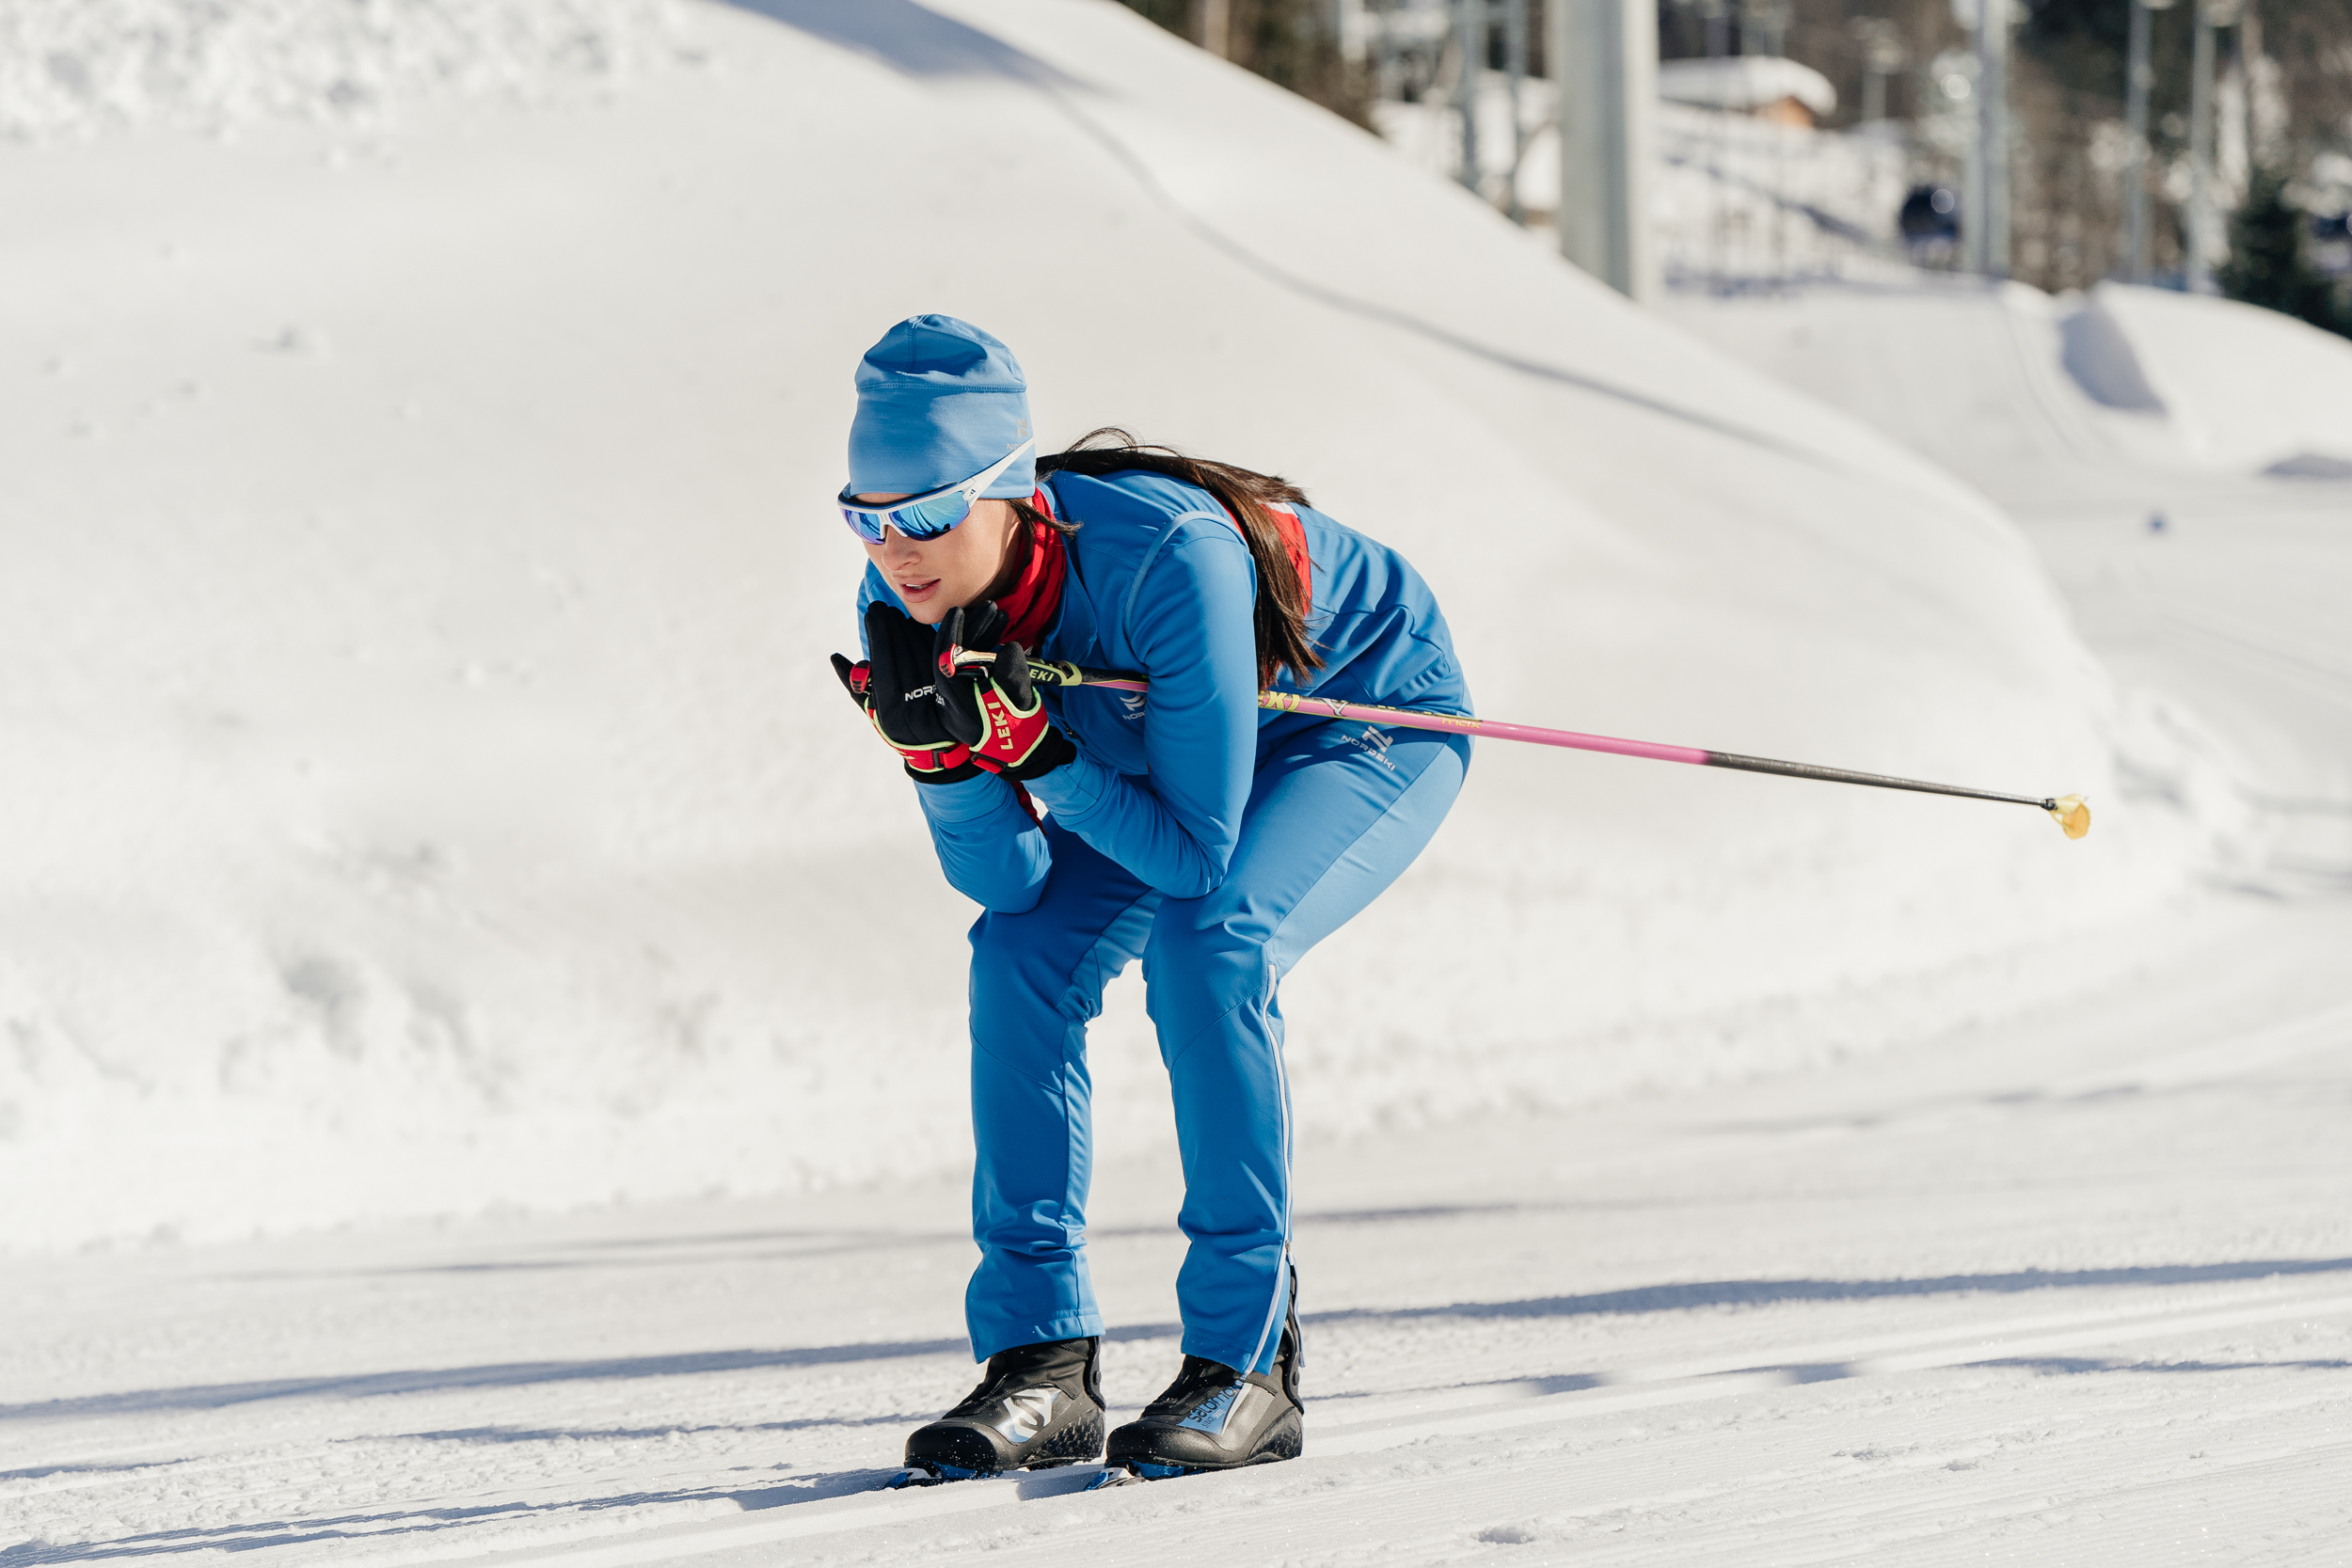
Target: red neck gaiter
<point>1037,597</point>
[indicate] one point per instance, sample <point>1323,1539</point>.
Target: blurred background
<point>1801,137</point>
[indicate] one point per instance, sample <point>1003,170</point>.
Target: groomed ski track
<point>1431,1419</point>
<point>2074,1285</point>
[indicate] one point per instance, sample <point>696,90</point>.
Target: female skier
<point>1214,841</point>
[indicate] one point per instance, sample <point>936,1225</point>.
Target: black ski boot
<point>1038,1406</point>
<point>1213,1418</point>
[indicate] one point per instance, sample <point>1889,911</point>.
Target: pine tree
<point>1286,41</point>
<point>2270,262</point>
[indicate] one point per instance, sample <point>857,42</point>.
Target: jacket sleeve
<point>992,853</point>
<point>1189,624</point>
<point>988,846</point>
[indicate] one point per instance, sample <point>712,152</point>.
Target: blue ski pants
<point>1337,813</point>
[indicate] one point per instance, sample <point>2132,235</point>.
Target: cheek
<point>967,559</point>
<point>986,549</point>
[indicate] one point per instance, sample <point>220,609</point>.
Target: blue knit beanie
<point>939,400</point>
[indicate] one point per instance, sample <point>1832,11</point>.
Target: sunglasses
<point>926,516</point>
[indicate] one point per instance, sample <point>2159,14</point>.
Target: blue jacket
<point>1161,581</point>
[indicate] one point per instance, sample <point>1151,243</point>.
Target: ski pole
<point>2070,812</point>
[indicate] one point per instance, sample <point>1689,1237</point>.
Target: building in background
<point>1768,87</point>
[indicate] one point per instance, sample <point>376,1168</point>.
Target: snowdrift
<point>2244,387</point>
<point>2009,380</point>
<point>71,71</point>
<point>426,788</point>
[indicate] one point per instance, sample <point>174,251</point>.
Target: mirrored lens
<point>926,517</point>
<point>930,517</point>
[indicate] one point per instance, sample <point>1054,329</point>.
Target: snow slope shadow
<point>921,43</point>
<point>394,1524</point>
<point>907,38</point>
<point>39,1472</point>
<point>495,1435</point>
<point>2066,1365</point>
<point>1653,1298</point>
<point>1502,1391</point>
<point>2098,353</point>
<point>1764,1293</point>
<point>217,1395</point>
<point>263,1534</point>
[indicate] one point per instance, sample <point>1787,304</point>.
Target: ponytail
<point>1280,615</point>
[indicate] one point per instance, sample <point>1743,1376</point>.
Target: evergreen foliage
<point>1289,42</point>
<point>2270,262</point>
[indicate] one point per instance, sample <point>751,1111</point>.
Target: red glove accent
<point>993,708</point>
<point>939,760</point>
<point>1007,731</point>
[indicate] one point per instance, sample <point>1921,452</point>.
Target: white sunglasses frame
<point>886,516</point>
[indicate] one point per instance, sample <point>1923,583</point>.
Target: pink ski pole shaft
<point>2070,811</point>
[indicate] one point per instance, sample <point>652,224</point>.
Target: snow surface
<point>2089,419</point>
<point>2121,378</point>
<point>426,799</point>
<point>2072,1287</point>
<point>74,70</point>
<point>430,793</point>
<point>2244,387</point>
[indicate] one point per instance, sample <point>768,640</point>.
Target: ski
<point>1136,1475</point>
<point>938,1475</point>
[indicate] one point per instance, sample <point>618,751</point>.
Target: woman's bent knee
<point>1199,962</point>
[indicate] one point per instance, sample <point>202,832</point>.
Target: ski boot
<point>1037,1407</point>
<point>1213,1418</point>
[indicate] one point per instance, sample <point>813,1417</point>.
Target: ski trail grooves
<point>1871,1529</point>
<point>2220,1061</point>
<point>2016,1341</point>
<point>2019,1337</point>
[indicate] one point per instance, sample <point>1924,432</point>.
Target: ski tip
<point>1134,1474</point>
<point>933,1475</point>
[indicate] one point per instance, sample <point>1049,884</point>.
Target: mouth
<point>914,592</point>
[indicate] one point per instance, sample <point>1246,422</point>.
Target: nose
<point>898,549</point>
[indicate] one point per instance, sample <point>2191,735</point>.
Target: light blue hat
<point>939,400</point>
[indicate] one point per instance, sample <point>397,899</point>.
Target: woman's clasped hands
<point>950,717</point>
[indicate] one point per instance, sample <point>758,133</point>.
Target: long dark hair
<point>1279,616</point>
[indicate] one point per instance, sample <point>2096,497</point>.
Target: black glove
<point>991,707</point>
<point>894,686</point>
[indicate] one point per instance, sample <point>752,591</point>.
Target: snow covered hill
<point>2241,388</point>
<point>77,69</point>
<point>426,791</point>
<point>2023,392</point>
